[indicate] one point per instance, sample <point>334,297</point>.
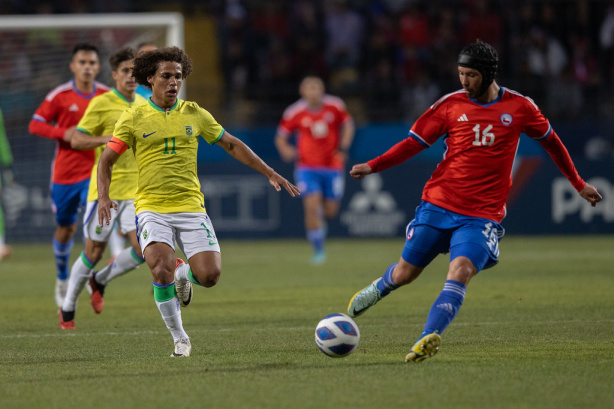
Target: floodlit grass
<point>537,331</point>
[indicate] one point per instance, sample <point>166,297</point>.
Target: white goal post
<point>35,52</point>
<point>172,22</point>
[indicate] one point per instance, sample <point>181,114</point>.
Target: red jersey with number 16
<point>475,175</point>
<point>318,131</point>
<point>62,108</point>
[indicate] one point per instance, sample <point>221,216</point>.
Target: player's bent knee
<point>162,274</point>
<point>207,277</point>
<point>461,270</point>
<point>212,277</point>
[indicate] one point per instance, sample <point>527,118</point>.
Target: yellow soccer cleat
<point>426,347</point>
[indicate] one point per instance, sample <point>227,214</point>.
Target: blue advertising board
<point>242,204</point>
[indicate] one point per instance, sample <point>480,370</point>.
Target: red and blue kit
<point>317,131</point>
<point>481,141</point>
<point>62,108</point>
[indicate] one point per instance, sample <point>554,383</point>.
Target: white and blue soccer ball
<point>337,335</point>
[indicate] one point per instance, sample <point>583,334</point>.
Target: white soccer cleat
<point>183,287</point>
<point>60,291</point>
<point>182,348</point>
<point>364,299</point>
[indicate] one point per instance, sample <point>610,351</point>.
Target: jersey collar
<point>123,98</point>
<point>86,96</point>
<point>157,108</point>
<point>501,92</point>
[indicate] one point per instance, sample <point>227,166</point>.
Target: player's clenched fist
<point>360,170</point>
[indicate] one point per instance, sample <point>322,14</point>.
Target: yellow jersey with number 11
<point>165,146</point>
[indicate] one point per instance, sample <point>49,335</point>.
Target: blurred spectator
<point>407,46</point>
<point>345,30</point>
<point>417,99</point>
<point>564,99</point>
<point>606,43</point>
<point>444,49</point>
<point>381,45</point>
<point>414,27</point>
<point>383,94</point>
<point>237,58</point>
<point>481,22</point>
<point>307,41</point>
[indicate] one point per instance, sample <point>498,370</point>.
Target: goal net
<point>34,55</point>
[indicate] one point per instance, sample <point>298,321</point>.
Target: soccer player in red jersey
<point>464,200</point>
<point>56,118</point>
<point>325,131</point>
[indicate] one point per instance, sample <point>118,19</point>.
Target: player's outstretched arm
<point>590,193</point>
<point>241,152</point>
<point>105,169</point>
<point>360,170</point>
<point>82,141</point>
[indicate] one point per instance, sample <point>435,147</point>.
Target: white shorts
<point>193,231</point>
<point>123,216</point>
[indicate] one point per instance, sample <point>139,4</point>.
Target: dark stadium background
<point>388,60</point>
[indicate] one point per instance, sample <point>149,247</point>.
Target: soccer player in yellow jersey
<point>164,136</point>
<point>94,131</point>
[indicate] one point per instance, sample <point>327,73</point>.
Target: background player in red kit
<point>56,118</point>
<point>464,200</point>
<point>325,131</point>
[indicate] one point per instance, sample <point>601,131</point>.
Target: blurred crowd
<point>391,59</point>
<point>398,56</point>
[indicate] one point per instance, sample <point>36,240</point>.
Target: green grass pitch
<point>536,331</point>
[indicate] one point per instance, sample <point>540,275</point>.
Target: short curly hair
<point>146,64</point>
<point>125,54</point>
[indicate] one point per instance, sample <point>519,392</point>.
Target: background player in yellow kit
<point>94,131</point>
<point>164,136</point>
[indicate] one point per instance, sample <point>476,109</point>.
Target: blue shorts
<point>68,200</point>
<point>436,230</point>
<point>329,182</point>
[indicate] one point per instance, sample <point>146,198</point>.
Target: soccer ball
<point>337,335</point>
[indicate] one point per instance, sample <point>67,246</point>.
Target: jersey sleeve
<point>91,123</point>
<point>210,130</point>
<point>41,123</point>
<point>286,125</point>
<point>431,125</point>
<point>559,154</point>
<point>399,153</point>
<point>536,125</point>
<point>342,112</point>
<point>124,128</point>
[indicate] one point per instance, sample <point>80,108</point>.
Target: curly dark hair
<point>146,64</point>
<point>125,54</point>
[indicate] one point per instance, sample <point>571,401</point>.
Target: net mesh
<point>32,63</point>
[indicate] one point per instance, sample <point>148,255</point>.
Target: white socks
<point>79,274</point>
<point>126,261</point>
<point>171,314</point>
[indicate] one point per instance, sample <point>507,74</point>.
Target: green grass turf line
<point>536,331</point>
